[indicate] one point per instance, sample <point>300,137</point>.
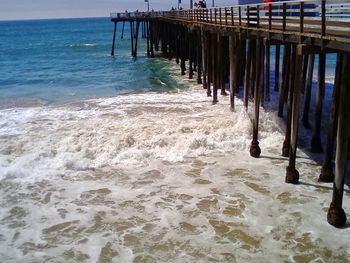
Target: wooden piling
<point>214,57</point>
<point>183,52</point>
<point>199,60</point>
<point>177,47</point>
<point>190,55</point>
<point>151,39</point>
<point>132,37</point>
<point>221,65</point>
<point>277,66</point>
<point>261,74</point>
<point>241,59</point>
<point>143,25</point>
<point>336,215</point>
<point>163,36</point>
<point>122,35</point>
<point>291,77</point>
<point>147,38</point>
<point>292,174</point>
<point>284,81</point>
<point>253,68</point>
<point>327,174</point>
<point>204,59</point>
<point>255,150</point>
<point>305,66</point>
<point>233,69</point>
<point>209,63</point>
<point>247,74</point>
<point>113,43</point>
<point>316,144</point>
<point>308,88</point>
<point>136,38</point>
<point>267,71</point>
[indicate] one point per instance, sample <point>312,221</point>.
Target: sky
<point>41,9</point>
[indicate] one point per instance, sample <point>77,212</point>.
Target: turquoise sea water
<point>68,59</point>
<point>58,61</point>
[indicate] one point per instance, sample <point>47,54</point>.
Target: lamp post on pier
<point>147,1</point>
<point>213,3</point>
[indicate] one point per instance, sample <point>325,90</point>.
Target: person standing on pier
<point>202,4</point>
<point>267,7</point>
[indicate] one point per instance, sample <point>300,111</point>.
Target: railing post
<point>301,30</point>
<point>225,16</point>
<point>220,16</point>
<point>232,22</point>
<point>211,15</point>
<point>240,15</point>
<point>270,16</point>
<point>215,15</point>
<point>323,16</point>
<point>284,17</point>
<point>248,16</point>
<point>257,16</point>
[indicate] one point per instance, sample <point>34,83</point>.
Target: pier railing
<point>135,15</point>
<point>328,19</point>
<point>313,17</point>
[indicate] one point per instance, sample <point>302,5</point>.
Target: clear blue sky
<point>37,9</point>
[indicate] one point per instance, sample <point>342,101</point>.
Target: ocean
<point>115,159</point>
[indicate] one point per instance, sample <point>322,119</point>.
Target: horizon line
<point>49,18</point>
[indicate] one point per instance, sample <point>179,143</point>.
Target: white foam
<point>123,176</point>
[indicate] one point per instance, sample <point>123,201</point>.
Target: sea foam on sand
<point>157,177</point>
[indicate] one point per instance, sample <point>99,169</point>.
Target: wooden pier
<point>232,45</point>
